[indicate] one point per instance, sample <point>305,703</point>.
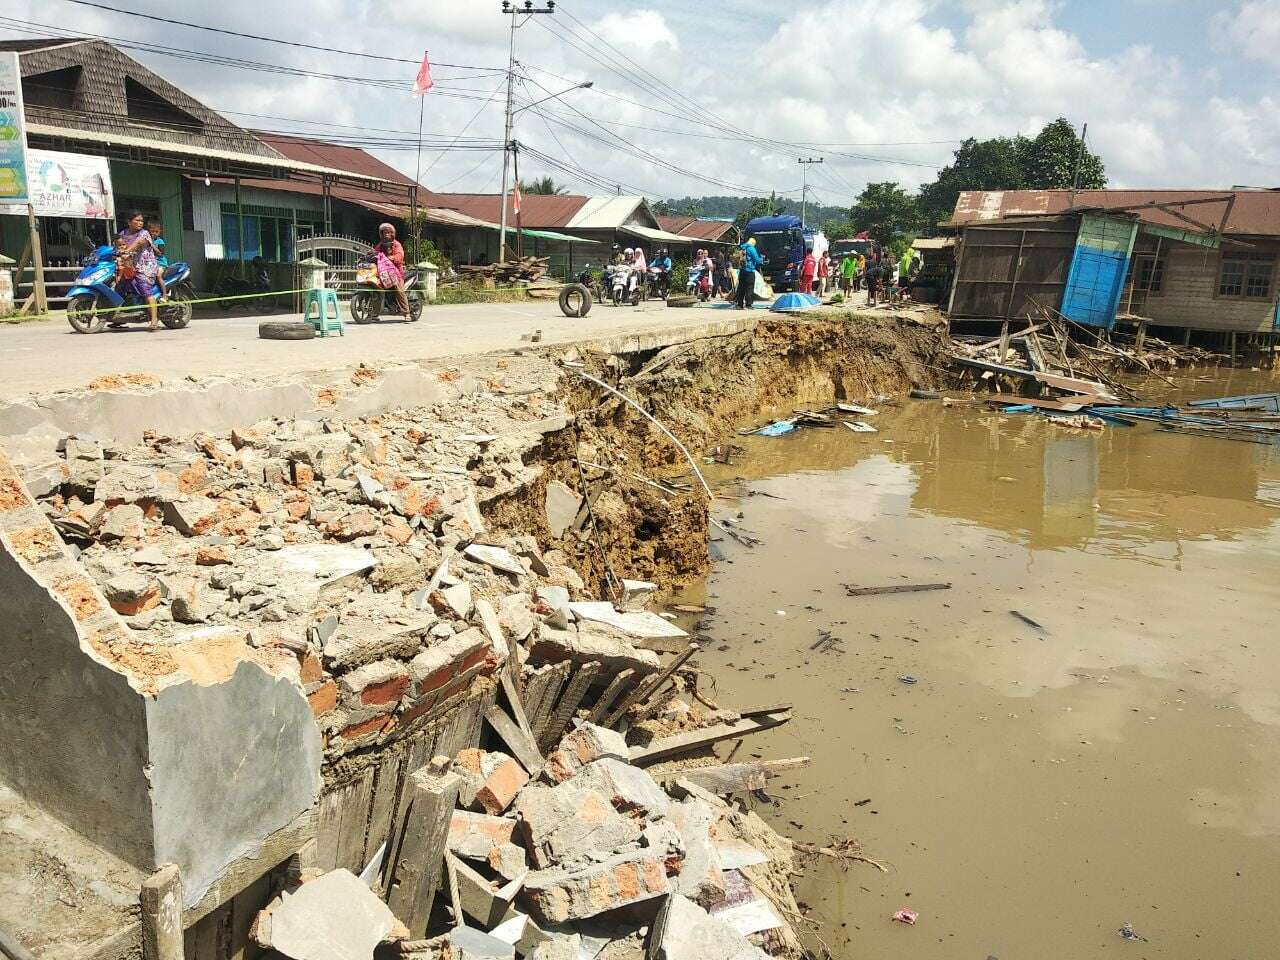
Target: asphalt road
<point>43,356</point>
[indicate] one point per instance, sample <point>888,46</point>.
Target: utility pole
<point>804,190</point>
<point>1075,177</point>
<point>516,10</point>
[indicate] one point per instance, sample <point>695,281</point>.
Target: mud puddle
<point>1032,788</point>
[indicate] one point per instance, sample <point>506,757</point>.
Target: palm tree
<point>543,186</point>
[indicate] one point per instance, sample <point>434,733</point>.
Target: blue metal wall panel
<point>1098,270</point>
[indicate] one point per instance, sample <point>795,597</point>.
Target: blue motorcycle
<point>93,302</point>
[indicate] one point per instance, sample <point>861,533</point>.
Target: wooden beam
<point>737,777</point>
<point>522,746</point>
<point>161,903</point>
<point>569,701</point>
<point>643,692</point>
<point>416,871</point>
<point>684,742</point>
<point>610,694</point>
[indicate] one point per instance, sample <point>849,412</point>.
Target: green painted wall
<point>137,180</point>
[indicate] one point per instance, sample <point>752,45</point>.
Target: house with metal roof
<point>1194,260</point>
<point>701,231</point>
<point>86,99</point>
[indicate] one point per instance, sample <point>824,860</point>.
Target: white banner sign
<point>70,185</point>
<point>13,136</point>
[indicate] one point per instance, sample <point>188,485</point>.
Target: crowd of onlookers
<point>883,277</point>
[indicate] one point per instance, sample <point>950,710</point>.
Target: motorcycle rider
<point>661,269</point>
<point>388,246</point>
<point>639,268</point>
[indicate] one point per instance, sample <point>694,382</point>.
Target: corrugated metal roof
<point>352,160</point>
<point>648,233</point>
<point>1255,212</point>
<point>539,211</point>
<point>697,229</point>
<point>604,213</point>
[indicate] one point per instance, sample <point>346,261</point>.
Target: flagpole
<point>417,175</point>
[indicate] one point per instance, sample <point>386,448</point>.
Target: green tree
<point>978,165</point>
<point>885,210</point>
<point>838,229</point>
<point>543,186</point>
<point>1050,160</point>
<point>768,206</point>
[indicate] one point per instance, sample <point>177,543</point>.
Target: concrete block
<point>558,948</point>
<point>581,647</point>
<point>560,895</point>
<point>496,557</point>
<point>508,861</point>
<point>562,505</point>
<point>124,522</point>
<point>582,746</point>
<point>357,642</point>
<point>334,917</point>
<point>630,789</point>
<point>515,614</point>
<point>191,515</point>
<point>501,786</point>
<point>567,825</point>
<point>132,593</point>
<point>458,597</point>
<point>134,483</point>
<point>701,876</point>
<point>189,602</point>
<point>472,944</point>
<point>553,596</point>
<point>684,931</point>
<point>640,624</point>
<point>78,449</point>
<point>474,836</point>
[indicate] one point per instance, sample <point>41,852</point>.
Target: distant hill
<point>726,208</point>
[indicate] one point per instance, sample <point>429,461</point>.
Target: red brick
<point>194,477</point>
<point>299,508</point>
<point>378,724</point>
<point>442,676</point>
<point>323,699</point>
<point>389,691</point>
<point>12,495</point>
<point>131,608</point>
<point>303,475</point>
<point>398,531</point>
<point>79,595</point>
<point>310,669</point>
<point>501,788</point>
<point>212,556</point>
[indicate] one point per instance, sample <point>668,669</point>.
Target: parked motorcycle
<point>659,283</point>
<point>92,301</point>
<point>699,283</point>
<point>370,298</point>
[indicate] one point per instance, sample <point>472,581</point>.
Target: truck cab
<point>783,241</point>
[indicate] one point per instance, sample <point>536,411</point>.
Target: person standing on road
<point>848,274</point>
<point>751,262</point>
<point>872,278</point>
<point>824,271</point>
<point>808,269</point>
<point>389,247</point>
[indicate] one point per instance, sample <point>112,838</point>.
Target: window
<point>1246,275</point>
<point>148,106</point>
<point>268,232</point>
<point>1150,273</point>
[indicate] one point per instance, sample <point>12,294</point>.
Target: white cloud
<point>1252,30</point>
<point>642,30</point>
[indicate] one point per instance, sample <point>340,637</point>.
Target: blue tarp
<point>791,302</point>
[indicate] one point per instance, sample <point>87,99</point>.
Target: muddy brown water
<point>1033,789</point>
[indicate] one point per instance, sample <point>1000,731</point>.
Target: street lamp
<point>582,86</point>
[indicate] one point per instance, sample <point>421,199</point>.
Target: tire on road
<point>285,330</point>
<point>575,300</point>
<point>682,301</point>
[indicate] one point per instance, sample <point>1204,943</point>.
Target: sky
<point>725,98</point>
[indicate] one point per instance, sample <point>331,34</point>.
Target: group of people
<point>877,272</point>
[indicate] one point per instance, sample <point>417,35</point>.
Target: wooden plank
<point>643,692</point>
<point>416,872</point>
<point>897,588</point>
<point>611,693</point>
<point>524,749</point>
<point>207,939</point>
<point>512,690</point>
<point>559,677</point>
<point>161,904</point>
<point>381,809</point>
<point>480,898</point>
<point>534,688</point>
<point>684,742</point>
<point>356,797</point>
<point>569,701</point>
<point>330,825</point>
<point>736,777</point>
<point>245,907</point>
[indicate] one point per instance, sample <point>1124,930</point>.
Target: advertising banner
<point>70,185</point>
<point>13,137</point>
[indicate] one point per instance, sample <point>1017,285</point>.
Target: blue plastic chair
<point>322,299</point>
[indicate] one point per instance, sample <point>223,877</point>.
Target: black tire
<point>416,303</point>
<point>364,306</point>
<point>575,300</point>
<point>285,330</point>
<point>616,295</point>
<point>177,314</point>
<point>83,315</point>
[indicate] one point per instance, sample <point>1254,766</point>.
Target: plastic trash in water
<point>908,916</point>
<point>858,426</point>
<point>777,429</point>
<point>1128,933</point>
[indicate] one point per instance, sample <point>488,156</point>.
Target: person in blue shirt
<point>155,228</point>
<point>751,262</point>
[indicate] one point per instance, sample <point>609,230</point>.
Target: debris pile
<point>525,269</point>
<point>842,414</point>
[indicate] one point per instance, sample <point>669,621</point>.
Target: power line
<point>253,36</point>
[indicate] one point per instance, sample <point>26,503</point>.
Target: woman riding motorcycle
<point>389,247</point>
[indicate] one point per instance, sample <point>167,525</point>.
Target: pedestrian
<point>872,278</point>
<point>808,269</point>
<point>751,262</point>
<point>861,275</point>
<point>824,271</point>
<point>848,274</point>
<point>723,282</point>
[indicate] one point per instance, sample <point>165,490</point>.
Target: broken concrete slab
<point>568,824</point>
<point>472,943</point>
<point>190,516</point>
<point>582,647</point>
<point>636,593</point>
<point>458,597</point>
<point>134,483</point>
<point>558,948</point>
<point>701,876</point>
<point>630,789</point>
<point>560,895</point>
<point>496,557</point>
<point>124,522</point>
<point>310,570</point>
<point>355,642</point>
<point>638,623</point>
<point>515,614</point>
<point>684,931</point>
<point>132,593</point>
<point>473,836</point>
<point>553,596</point>
<point>334,917</point>
<point>562,505</point>
<point>582,746</point>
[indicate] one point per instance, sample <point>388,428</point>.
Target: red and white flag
<point>515,199</point>
<point>423,82</point>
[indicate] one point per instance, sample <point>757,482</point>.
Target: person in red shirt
<point>824,271</point>
<point>807,271</point>
<point>390,248</point>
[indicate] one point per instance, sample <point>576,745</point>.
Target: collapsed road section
<point>395,668</point>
